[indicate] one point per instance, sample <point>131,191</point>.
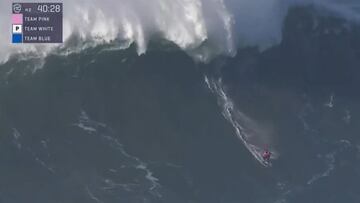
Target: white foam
<point>330,160</point>
<point>187,23</point>
<point>222,24</point>
<point>330,103</point>
<point>86,124</point>
<point>92,127</point>
<point>92,196</point>
<point>16,138</point>
<point>86,128</point>
<point>347,117</point>
<point>41,162</point>
<point>27,149</point>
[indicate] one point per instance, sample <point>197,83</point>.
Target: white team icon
<point>17,29</point>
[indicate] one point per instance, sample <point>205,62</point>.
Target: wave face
<point>99,123</point>
<point>203,28</point>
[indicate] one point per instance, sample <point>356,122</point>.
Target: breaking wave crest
<point>190,24</point>
<point>202,28</point>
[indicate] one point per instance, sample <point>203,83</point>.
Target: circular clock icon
<point>17,8</point>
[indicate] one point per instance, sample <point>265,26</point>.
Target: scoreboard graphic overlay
<point>37,22</point>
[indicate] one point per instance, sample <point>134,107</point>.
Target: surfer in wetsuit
<point>266,155</point>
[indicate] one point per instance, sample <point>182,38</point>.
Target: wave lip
<point>202,28</point>
<point>188,23</point>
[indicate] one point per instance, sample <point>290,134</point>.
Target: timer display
<point>52,8</point>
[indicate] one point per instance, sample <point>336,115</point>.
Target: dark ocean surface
<point>109,126</point>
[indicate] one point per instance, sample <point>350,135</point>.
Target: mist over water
<point>203,28</point>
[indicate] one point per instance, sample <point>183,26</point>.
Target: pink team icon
<point>17,19</point>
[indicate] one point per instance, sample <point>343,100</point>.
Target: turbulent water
<point>186,120</point>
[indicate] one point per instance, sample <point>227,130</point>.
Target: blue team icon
<point>17,38</point>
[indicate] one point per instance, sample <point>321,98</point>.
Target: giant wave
<point>202,28</point>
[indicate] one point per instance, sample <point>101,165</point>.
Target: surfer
<point>266,155</point>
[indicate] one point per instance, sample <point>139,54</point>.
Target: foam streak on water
<point>94,128</point>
